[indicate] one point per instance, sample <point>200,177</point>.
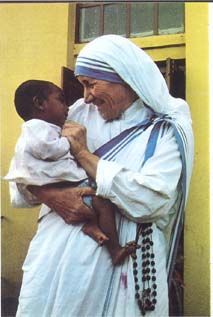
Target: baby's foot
<point>120,255</point>
<point>95,233</point>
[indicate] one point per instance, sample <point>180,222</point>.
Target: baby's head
<point>40,99</point>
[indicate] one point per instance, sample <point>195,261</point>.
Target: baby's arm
<point>44,141</point>
<point>42,157</point>
<point>45,156</point>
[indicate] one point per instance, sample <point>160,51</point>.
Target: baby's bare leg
<point>106,220</point>
<point>92,229</point>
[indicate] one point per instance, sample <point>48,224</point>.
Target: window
<point>132,19</point>
<point>170,18</point>
<point>141,19</point>
<point>118,22</point>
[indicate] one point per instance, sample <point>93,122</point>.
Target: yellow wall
<point>197,228</point>
<point>33,45</point>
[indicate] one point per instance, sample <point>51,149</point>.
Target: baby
<point>42,156</point>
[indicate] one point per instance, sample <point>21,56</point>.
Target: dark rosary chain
<point>146,297</point>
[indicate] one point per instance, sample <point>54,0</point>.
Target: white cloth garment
<point>41,157</point>
<point>65,272</point>
<point>138,70</point>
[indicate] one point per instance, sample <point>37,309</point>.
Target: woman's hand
<point>67,202</point>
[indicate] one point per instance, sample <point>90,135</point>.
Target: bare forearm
<point>47,194</point>
<point>89,162</point>
<point>40,192</point>
<point>76,134</point>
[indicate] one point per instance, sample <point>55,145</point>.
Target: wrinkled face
<point>110,98</point>
<point>55,107</point>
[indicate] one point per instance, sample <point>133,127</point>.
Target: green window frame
<point>160,17</point>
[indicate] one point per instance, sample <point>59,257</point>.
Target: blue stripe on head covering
<point>96,69</point>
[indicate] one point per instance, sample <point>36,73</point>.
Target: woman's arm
<point>66,201</point>
<point>146,195</point>
<point>76,134</point>
<point>149,193</point>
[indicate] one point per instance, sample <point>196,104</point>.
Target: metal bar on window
<point>170,64</point>
<point>77,24</point>
<point>155,17</point>
<point>128,19</point>
<point>184,17</point>
<point>101,19</point>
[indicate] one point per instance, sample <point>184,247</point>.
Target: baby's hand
<point>76,135</point>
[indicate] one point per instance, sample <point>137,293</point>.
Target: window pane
<point>115,19</point>
<point>141,19</point>
<point>171,17</point>
<point>89,23</point>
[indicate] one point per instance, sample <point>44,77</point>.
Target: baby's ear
<point>38,103</point>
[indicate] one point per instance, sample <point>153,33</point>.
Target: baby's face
<point>55,107</point>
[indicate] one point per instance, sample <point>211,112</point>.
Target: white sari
<point>66,273</point>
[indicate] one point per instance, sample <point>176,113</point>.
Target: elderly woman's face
<point>111,99</point>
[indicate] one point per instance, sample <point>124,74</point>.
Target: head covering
<point>115,54</point>
<point>93,68</point>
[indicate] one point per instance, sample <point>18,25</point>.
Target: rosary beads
<point>146,297</point>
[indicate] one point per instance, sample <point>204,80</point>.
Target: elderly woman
<point>138,147</point>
